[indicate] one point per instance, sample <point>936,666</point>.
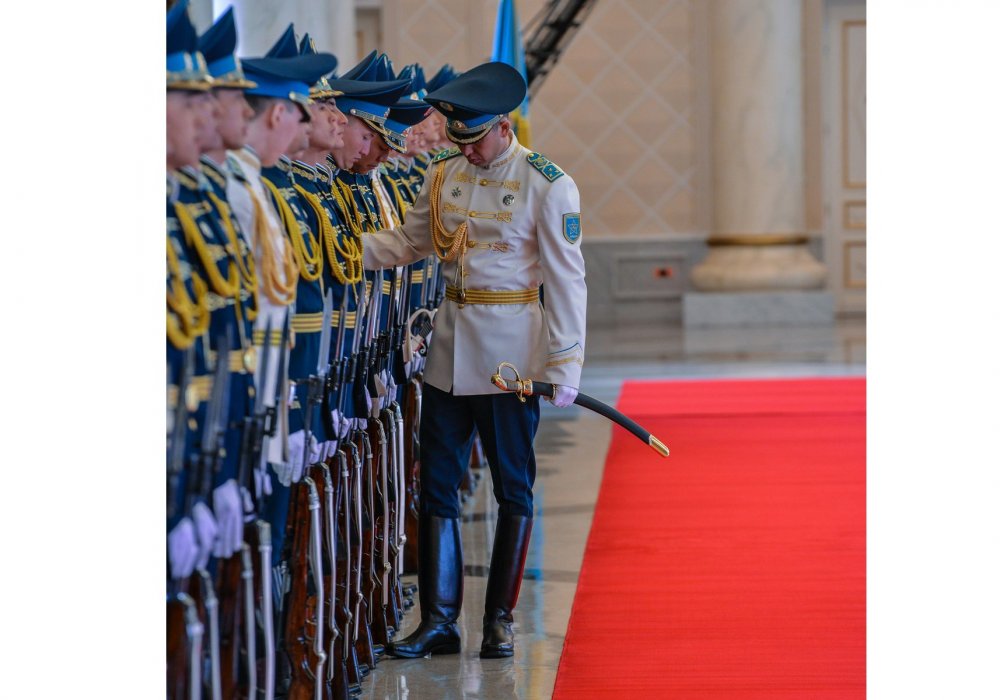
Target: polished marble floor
<point>571,446</point>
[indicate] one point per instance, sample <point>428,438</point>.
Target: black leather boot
<point>510,548</point>
<point>440,578</point>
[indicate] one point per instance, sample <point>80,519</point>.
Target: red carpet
<point>735,568</point>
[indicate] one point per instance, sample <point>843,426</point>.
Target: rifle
<point>254,427</point>
<point>183,622</point>
<point>270,596</point>
<point>272,417</point>
<point>176,448</point>
<point>363,389</point>
<point>411,457</point>
<point>341,656</point>
<point>362,629</point>
<point>390,544</point>
<point>259,538</point>
<point>250,658</point>
<point>317,381</point>
<point>205,464</point>
<point>329,573</point>
<point>235,574</point>
<point>294,608</point>
<point>334,377</point>
<point>378,521</point>
<point>399,506</point>
<point>351,575</point>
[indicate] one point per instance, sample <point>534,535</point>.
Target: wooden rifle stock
<point>230,590</point>
<point>297,639</point>
<point>411,456</point>
<point>346,594</point>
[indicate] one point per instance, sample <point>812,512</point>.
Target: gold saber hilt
<point>526,387</point>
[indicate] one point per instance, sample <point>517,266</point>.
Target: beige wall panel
<point>618,112</point>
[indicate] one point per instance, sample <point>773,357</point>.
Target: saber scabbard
<point>528,387</point>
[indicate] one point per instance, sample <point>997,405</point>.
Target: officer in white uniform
<point>503,220</point>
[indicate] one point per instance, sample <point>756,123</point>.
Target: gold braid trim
<point>346,199</point>
<point>374,219</point>
<point>247,267</point>
<point>328,233</point>
<point>401,205</point>
<point>193,314</point>
<point>446,245</point>
<point>310,265</point>
<point>223,287</point>
<point>355,246</point>
<point>281,293</point>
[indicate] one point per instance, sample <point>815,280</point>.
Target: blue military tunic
<point>301,228</point>
<point>213,248</point>
<point>187,328</point>
<point>242,358</point>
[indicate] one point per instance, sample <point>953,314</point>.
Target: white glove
<point>361,423</point>
<point>182,547</point>
<point>227,503</point>
<point>563,397</point>
<point>378,401</point>
<point>368,402</point>
<point>207,532</point>
<point>345,425</point>
<point>326,449</point>
<point>292,469</point>
<point>316,450</point>
<point>247,502</point>
<point>262,481</point>
<point>390,388</point>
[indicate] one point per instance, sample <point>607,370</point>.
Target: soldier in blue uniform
<point>280,103</point>
<point>366,101</point>
<point>191,525</point>
<point>232,115</point>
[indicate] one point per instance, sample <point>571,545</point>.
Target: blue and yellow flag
<point>507,48</point>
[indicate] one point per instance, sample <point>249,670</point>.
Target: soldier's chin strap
<point>528,387</point>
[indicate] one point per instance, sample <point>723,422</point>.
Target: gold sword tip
<point>658,446</point>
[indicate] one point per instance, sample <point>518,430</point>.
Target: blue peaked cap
<point>321,90</point>
<point>364,94</point>
<point>418,85</point>
<point>444,76</point>
<point>285,46</point>
<point>218,46</point>
<point>186,68</point>
<point>364,70</point>
<point>477,99</point>
<point>288,78</point>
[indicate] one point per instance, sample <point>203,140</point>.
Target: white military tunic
<point>524,230</point>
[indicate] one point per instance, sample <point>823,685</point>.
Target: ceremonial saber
<point>528,387</point>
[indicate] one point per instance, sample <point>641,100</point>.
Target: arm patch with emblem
<point>571,227</point>
<point>546,167</point>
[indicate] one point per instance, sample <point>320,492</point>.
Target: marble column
<point>259,23</point>
<point>758,240</point>
<point>343,40</point>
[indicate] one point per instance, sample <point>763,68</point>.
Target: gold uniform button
<point>484,182</point>
<point>471,244</point>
